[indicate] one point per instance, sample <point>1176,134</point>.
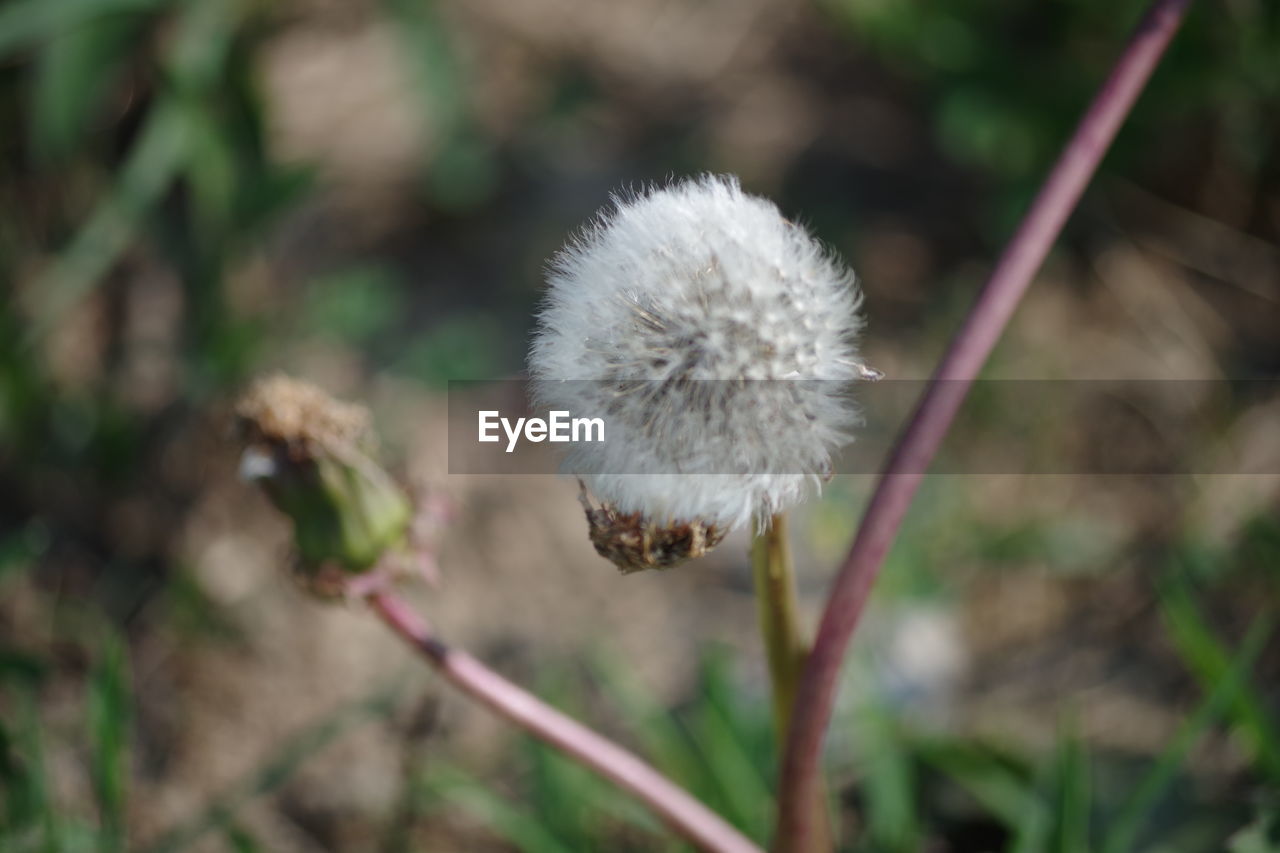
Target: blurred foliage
<point>1007,81</point>
<point>464,172</point>
<point>914,788</point>
<point>34,819</point>
<point>356,305</point>
<point>908,785</point>
<point>275,771</point>
<point>136,149</point>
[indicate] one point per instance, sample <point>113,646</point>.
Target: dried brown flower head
<point>281,409</point>
<point>634,543</point>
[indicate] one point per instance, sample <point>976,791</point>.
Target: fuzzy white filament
<point>690,316</point>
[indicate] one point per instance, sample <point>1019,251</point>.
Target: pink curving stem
<point>687,817</point>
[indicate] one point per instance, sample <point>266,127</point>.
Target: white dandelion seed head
<point>675,314</point>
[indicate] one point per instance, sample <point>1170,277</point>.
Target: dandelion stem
<point>784,642</point>
<point>800,786</point>
<point>687,817</point>
<point>779,620</point>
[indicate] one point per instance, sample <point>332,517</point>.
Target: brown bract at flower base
<point>634,543</point>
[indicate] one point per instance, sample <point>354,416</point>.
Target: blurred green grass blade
<point>38,811</point>
<point>577,805</point>
<point>1071,795</point>
<point>1031,834</point>
<point>573,802</point>
<point>202,42</point>
<point>357,305</point>
<point>629,812</point>
<point>1125,827</point>
<point>722,739</point>
<point>1260,836</point>
<point>749,716</point>
<point>10,772</point>
<point>462,347</point>
<point>19,550</point>
<point>21,801</point>
<point>463,171</point>
<point>712,754</point>
<point>1009,795</point>
<point>524,830</point>
<point>563,794</point>
<point>211,171</point>
<point>240,840</point>
<point>29,22</point>
<point>1210,662</point>
<point>74,72</point>
<point>661,736</point>
<point>109,723</point>
<point>148,171</point>
<point>430,61</point>
<point>893,823</point>
<point>18,666</point>
<point>220,813</point>
<point>584,804</point>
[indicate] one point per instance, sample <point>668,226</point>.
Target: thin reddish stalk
<point>687,817</point>
<point>919,443</point>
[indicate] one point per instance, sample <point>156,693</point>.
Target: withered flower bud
<point>312,456</point>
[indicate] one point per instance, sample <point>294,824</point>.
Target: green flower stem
<point>784,645</point>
